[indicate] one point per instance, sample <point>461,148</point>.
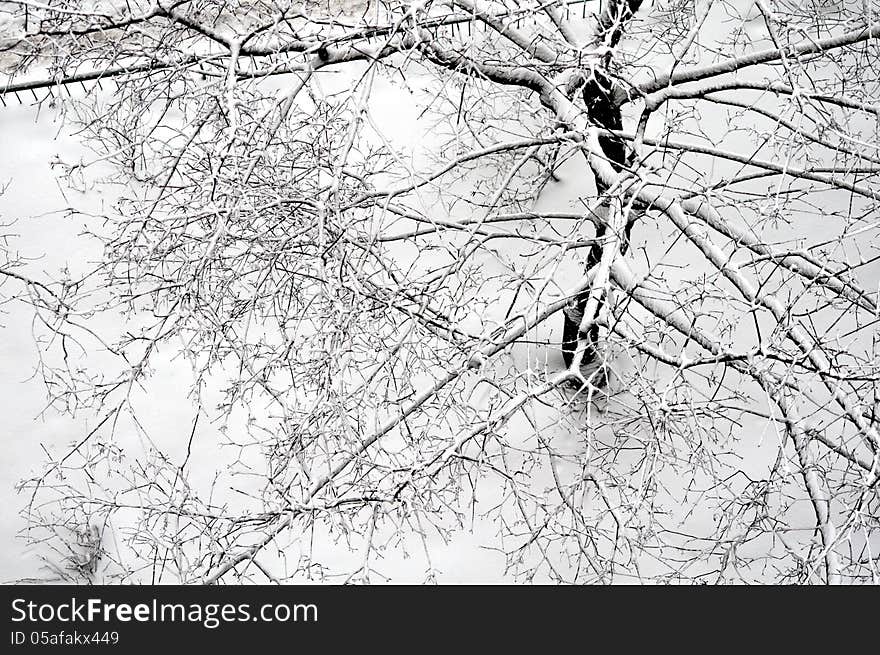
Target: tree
<point>617,298</point>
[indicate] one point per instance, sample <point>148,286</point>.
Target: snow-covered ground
<point>53,239</point>
<point>46,234</point>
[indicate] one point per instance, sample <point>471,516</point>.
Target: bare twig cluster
<point>618,300</point>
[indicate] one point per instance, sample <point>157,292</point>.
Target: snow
<point>54,241</point>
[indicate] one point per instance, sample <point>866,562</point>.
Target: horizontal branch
<point>734,64</point>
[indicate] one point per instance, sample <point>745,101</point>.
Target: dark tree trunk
<point>604,112</point>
